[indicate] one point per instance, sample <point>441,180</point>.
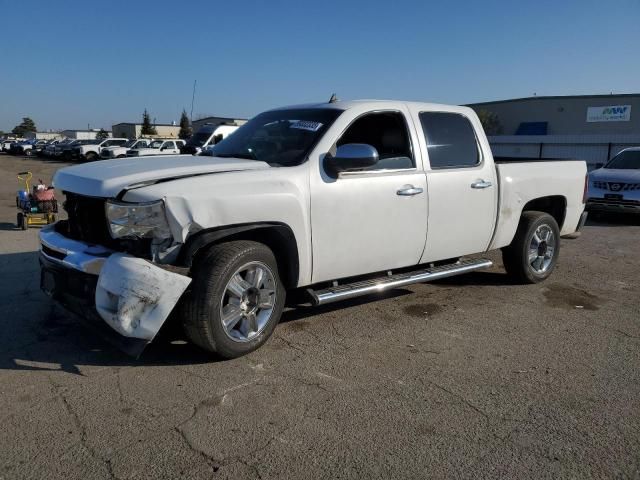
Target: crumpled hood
<point>615,175</point>
<point>107,178</point>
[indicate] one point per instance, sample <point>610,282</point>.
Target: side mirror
<point>352,156</point>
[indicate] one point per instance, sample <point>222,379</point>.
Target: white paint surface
<point>135,297</point>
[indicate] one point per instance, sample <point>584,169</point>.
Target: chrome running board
<point>365,287</point>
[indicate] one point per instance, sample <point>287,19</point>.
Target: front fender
<point>275,196</point>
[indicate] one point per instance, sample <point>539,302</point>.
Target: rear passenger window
<point>451,141</point>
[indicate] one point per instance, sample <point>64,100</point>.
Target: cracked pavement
<point>471,377</point>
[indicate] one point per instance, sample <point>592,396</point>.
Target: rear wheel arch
<point>554,205</point>
<point>278,237</point>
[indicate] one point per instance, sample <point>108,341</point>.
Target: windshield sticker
<point>306,125</point>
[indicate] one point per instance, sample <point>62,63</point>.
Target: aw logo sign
<point>613,113</point>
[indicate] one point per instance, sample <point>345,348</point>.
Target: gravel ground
<point>471,377</point>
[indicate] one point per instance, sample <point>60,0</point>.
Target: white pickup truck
<point>91,151</point>
<point>157,147</point>
<point>120,151</point>
<point>344,199</point>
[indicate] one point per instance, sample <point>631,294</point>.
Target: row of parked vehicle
<point>108,148</point>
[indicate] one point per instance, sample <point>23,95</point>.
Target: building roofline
<point>139,123</point>
<point>555,97</point>
<point>76,130</point>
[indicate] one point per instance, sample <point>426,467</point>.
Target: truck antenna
<point>333,98</point>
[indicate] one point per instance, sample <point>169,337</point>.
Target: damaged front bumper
<point>130,295</point>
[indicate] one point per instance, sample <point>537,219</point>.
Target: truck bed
<point>523,179</point>
<point>536,159</point>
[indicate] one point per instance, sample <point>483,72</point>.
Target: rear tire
<point>91,156</point>
<point>232,309</point>
<point>535,248</point>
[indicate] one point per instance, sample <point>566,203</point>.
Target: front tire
<point>236,298</point>
<point>535,248</point>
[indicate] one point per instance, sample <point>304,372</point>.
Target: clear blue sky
<point>71,63</point>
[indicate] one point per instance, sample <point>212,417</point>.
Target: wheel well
<point>554,205</point>
<point>278,237</point>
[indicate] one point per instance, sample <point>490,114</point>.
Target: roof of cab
<point>377,104</point>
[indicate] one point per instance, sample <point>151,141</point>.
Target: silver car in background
<point>616,186</point>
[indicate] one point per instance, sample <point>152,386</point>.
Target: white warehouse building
<point>588,127</point>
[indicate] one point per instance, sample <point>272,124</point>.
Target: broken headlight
<point>137,220</point>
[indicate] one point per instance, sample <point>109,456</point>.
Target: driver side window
<point>387,133</point>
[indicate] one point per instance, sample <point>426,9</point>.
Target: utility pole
<point>193,97</point>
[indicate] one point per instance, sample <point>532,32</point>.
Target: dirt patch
<point>419,310</point>
<point>298,326</point>
<point>570,298</point>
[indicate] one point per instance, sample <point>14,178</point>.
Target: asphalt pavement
<point>472,377</point>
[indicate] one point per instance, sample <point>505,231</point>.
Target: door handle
<point>481,184</point>
<point>409,190</point>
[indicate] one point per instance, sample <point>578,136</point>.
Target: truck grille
<point>616,186</point>
<point>87,219</point>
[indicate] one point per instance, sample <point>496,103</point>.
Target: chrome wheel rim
<point>542,249</point>
<point>248,301</point>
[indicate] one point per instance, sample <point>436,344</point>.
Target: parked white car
<point>92,151</point>
<point>207,137</point>
<point>121,151</point>
<point>616,186</point>
<point>343,199</point>
<point>157,147</point>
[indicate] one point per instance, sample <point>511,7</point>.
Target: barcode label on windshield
<point>306,125</point>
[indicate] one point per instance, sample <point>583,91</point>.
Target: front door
<point>374,219</point>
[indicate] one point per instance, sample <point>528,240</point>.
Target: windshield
<point>629,160</point>
<point>281,138</point>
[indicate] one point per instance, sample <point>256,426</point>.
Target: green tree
<point>27,125</point>
<point>102,134</point>
<point>147,128</point>
<point>185,126</point>
<point>490,122</point>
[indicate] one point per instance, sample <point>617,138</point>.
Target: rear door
<point>462,189</point>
